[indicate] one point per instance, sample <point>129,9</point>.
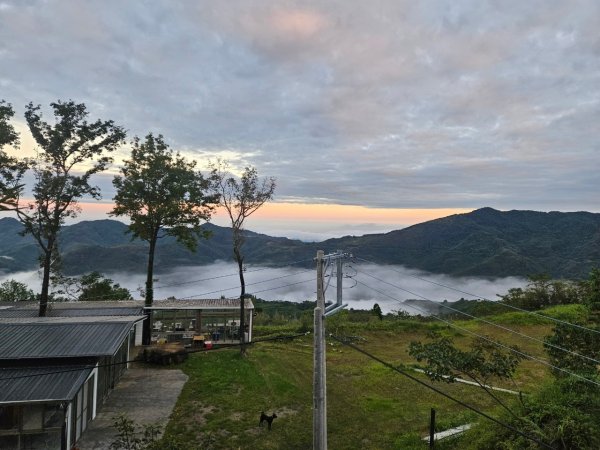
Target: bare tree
<point>240,197</point>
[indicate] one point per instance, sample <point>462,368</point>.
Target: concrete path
<point>449,433</point>
<point>145,395</point>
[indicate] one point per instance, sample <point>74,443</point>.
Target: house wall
<point>110,370</point>
<point>82,409</point>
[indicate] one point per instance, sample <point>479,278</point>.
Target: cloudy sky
<point>384,112</point>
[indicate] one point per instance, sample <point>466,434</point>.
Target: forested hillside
<point>485,242</point>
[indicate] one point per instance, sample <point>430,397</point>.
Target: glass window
<point>53,416</point>
<point>32,417</point>
<point>40,441</point>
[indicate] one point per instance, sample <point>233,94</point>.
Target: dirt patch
<point>236,417</point>
<point>200,413</point>
<point>285,412</point>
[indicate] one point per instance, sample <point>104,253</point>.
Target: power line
<point>480,319</point>
<point>448,396</point>
<point>230,274</point>
<point>484,298</point>
<point>203,350</point>
<point>485,338</point>
<point>252,284</point>
<point>130,291</point>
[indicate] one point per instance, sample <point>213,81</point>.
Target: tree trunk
<point>240,262</point>
<point>149,292</point>
<point>46,280</point>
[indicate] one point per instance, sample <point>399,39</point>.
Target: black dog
<point>268,419</point>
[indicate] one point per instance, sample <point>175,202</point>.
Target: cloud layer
<point>364,284</point>
<point>393,103</point>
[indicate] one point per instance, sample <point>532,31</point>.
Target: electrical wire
<point>203,350</point>
<point>483,298</point>
<point>480,319</point>
<point>485,338</point>
<point>161,286</point>
<point>448,396</point>
<point>248,284</point>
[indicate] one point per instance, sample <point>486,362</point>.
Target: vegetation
<point>542,292</point>
<point>15,291</point>
<point>370,406</point>
<point>163,195</point>
<point>240,198</point>
<point>11,170</point>
<point>89,287</point>
<point>70,152</point>
<point>131,436</point>
<point>528,234</point>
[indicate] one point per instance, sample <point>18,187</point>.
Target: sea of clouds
<point>363,284</point>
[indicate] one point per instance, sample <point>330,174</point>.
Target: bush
<point>562,414</point>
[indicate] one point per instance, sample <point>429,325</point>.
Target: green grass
<point>369,405</point>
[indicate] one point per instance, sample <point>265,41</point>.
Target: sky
<point>371,115</point>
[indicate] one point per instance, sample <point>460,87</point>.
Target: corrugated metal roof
<point>34,384</point>
<point>59,340</point>
<point>74,309</point>
<point>69,319</point>
<point>201,303</point>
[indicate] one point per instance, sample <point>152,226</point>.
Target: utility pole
<point>319,376</point>
<point>320,368</point>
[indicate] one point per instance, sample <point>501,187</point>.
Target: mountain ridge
<point>485,242</point>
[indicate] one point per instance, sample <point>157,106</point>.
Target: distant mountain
<point>485,242</point>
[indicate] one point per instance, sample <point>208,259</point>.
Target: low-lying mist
<point>364,284</point>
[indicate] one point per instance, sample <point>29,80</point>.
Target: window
<point>32,417</point>
<point>8,418</point>
<point>53,416</point>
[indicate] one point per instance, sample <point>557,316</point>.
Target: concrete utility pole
<point>319,376</point>
<point>320,368</point>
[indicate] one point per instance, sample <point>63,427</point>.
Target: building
<point>216,320</point>
<point>56,371</point>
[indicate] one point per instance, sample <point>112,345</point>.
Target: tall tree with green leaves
<point>163,195</point>
<point>240,197</point>
<point>11,169</point>
<point>70,152</point>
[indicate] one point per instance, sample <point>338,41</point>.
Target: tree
<point>377,311</point>
<point>542,292</point>
<point>15,291</point>
<point>592,296</point>
<point>11,170</point>
<point>163,195</point>
<point>240,198</point>
<point>481,363</point>
<point>70,152</point>
<point>90,287</point>
<point>579,341</point>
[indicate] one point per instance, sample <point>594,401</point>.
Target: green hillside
<point>484,242</point>
<point>369,405</point>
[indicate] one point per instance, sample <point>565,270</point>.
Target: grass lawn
<point>369,406</point>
